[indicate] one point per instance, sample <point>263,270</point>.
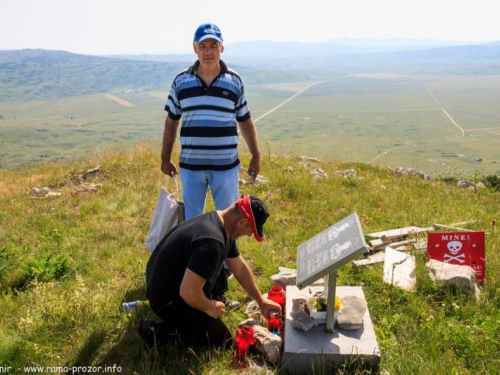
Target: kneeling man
<point>185,278</point>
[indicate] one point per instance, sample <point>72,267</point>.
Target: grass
<point>67,263</point>
<point>389,120</point>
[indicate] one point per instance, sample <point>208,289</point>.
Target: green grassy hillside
<point>67,263</point>
<point>43,74</point>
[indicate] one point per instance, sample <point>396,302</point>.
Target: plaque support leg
<point>330,286</point>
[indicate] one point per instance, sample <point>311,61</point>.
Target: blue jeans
<point>224,186</point>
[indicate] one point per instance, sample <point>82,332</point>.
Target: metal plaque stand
<point>330,286</point>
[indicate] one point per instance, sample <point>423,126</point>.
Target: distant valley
<point>432,107</point>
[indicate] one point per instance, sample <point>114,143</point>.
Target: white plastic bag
<point>168,213</point>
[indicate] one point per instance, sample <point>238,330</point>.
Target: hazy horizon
<point>163,27</point>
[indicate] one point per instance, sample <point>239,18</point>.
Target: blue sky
<point>165,26</point>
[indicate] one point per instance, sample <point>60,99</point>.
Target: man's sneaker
<point>230,304</point>
<point>228,273</point>
<point>147,332</point>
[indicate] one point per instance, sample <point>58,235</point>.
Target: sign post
<point>323,254</point>
<point>330,285</point>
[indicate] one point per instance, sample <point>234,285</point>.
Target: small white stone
<point>352,312</point>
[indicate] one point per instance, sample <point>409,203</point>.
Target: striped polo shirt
<point>209,136</point>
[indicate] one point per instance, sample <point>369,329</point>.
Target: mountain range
<point>35,74</point>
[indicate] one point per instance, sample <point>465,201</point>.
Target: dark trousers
<point>192,326</point>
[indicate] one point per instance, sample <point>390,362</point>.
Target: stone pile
<point>466,184</point>
<point>44,192</point>
<point>86,188</point>
<point>347,173</point>
<point>318,173</point>
<point>401,171</point>
<point>81,177</point>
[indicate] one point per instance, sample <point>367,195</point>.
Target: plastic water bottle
<point>131,306</point>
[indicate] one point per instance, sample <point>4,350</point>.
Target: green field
<point>67,264</point>
<point>378,119</point>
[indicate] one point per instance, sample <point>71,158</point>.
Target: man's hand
<point>216,309</point>
<point>168,168</point>
<point>255,167</point>
<point>267,307</point>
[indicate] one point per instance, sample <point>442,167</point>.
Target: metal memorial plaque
<point>329,250</point>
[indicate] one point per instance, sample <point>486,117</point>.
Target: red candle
<point>278,295</point>
<point>244,339</point>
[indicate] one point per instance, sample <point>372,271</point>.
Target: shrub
<point>47,269</point>
<point>493,182</point>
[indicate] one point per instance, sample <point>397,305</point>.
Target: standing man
<point>182,275</point>
<point>210,98</point>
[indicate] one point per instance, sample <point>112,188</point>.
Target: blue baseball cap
<point>207,31</point>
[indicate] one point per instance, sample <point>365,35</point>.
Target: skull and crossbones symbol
<point>454,247</point>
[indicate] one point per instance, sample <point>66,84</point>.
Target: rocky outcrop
<point>401,171</point>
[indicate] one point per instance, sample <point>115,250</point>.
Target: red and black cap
<point>255,211</point>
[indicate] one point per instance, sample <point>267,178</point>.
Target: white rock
<point>318,173</point>
<point>284,277</point>
<point>462,277</point>
<point>465,184</point>
<point>261,180</point>
<point>352,312</point>
<point>401,171</point>
<point>399,269</point>
<point>268,344</point>
<point>309,158</point>
<point>289,169</point>
<point>34,192</point>
<point>347,173</point>
<point>480,185</point>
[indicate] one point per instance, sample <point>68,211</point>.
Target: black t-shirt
<point>199,244</point>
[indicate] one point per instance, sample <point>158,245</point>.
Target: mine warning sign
<point>462,248</point>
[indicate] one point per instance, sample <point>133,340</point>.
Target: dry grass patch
<point>120,101</point>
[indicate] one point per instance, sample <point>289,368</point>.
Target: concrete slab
<point>307,352</point>
<point>399,269</point>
